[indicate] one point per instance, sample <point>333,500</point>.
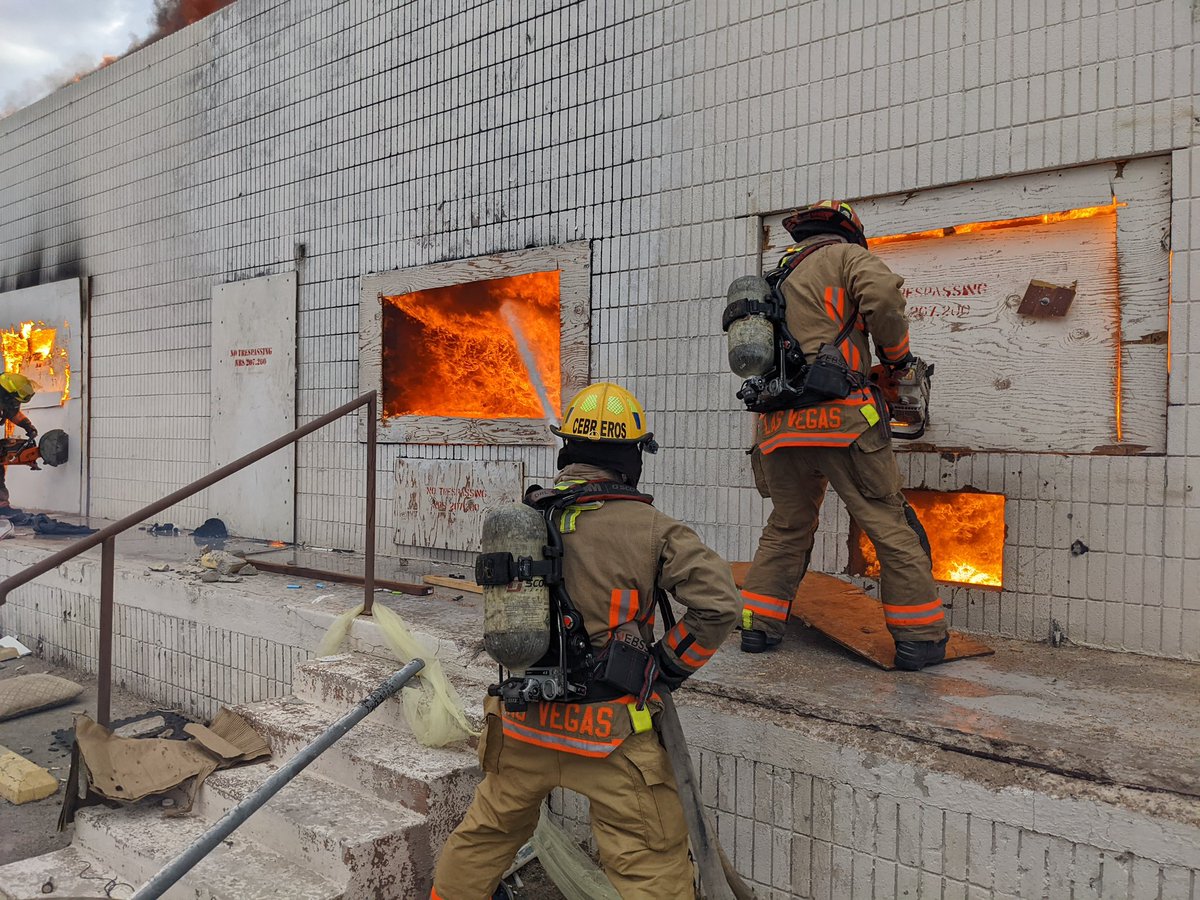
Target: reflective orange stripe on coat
<point>683,644</point>
<point>585,729</point>
<point>919,614</point>
<point>623,607</point>
<point>768,607</point>
<point>835,423</point>
<point>896,351</point>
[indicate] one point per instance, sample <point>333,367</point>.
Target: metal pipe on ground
<point>207,842</point>
<point>279,568</point>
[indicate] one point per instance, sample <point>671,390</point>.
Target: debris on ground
<point>143,726</point>
<point>43,524</point>
<point>166,529</point>
<point>160,723</point>
<point>13,644</point>
<point>30,693</point>
<point>225,563</point>
<point>213,529</point>
<point>128,769</point>
<point>22,781</point>
<point>159,567</point>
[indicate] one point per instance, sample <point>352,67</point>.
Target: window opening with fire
<point>39,352</point>
<point>966,534</point>
<point>479,350</point>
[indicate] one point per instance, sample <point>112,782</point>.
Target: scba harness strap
<point>570,670</point>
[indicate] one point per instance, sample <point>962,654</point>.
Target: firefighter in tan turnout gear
<point>829,426</point>
<point>617,553</point>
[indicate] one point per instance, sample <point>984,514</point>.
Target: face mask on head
<point>624,459</point>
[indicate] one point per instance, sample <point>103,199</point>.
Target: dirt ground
<point>30,829</point>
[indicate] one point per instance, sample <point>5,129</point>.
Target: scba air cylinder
<point>516,616</point>
<point>751,337</point>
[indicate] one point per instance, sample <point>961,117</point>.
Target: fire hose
<point>718,878</point>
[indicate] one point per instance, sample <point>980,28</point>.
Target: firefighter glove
<point>30,432</point>
<point>900,365</point>
<point>669,672</point>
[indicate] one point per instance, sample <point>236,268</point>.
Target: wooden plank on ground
<point>851,617</point>
<point>458,584</point>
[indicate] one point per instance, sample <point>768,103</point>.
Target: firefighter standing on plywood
<point>573,631</point>
<point>15,389</point>
<point>802,335</point>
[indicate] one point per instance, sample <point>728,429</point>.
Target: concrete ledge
<point>1033,773</point>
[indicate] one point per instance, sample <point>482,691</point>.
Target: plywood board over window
<point>476,351</point>
<point>1094,240</point>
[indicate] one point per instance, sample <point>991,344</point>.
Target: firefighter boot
<point>913,656</point>
<point>755,641</point>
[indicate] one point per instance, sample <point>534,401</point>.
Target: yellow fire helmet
<point>606,412</point>
<point>16,383</point>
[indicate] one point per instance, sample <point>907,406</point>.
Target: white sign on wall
<point>254,402</point>
<point>441,503</point>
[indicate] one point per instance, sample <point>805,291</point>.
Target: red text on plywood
<point>250,356</point>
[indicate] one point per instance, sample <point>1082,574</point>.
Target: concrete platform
<point>980,776</point>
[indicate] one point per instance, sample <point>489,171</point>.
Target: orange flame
<point>966,534</point>
<point>1066,215</point>
<point>31,349</point>
<point>449,352</point>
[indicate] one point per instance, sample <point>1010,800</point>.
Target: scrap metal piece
<point>404,587</point>
<point>1043,300</point>
<point>854,619</point>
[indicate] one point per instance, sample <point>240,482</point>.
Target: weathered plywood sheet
<point>1008,382</point>
<point>60,305</point>
<point>853,619</point>
<point>441,503</point>
<point>573,262</point>
<point>254,402</point>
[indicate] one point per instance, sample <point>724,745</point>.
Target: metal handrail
<point>106,537</point>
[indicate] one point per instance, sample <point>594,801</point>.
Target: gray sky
<point>43,43</point>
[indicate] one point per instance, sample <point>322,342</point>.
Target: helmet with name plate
<point>605,412</point>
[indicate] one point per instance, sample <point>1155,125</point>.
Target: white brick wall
<point>383,138</point>
<point>817,813</point>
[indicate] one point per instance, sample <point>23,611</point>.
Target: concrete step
<point>138,840</point>
<point>374,848</point>
<point>72,872</point>
<point>374,760</point>
<point>338,683</point>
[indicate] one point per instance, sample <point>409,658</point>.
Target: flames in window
<point>966,534</point>
<point>33,349</point>
<point>450,351</point>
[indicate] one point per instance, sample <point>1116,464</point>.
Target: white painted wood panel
<point>441,503</point>
<point>60,305</point>
<point>1009,382</point>
<point>254,402</point>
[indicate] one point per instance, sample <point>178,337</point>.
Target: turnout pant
<point>637,818</point>
<point>869,484</point>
